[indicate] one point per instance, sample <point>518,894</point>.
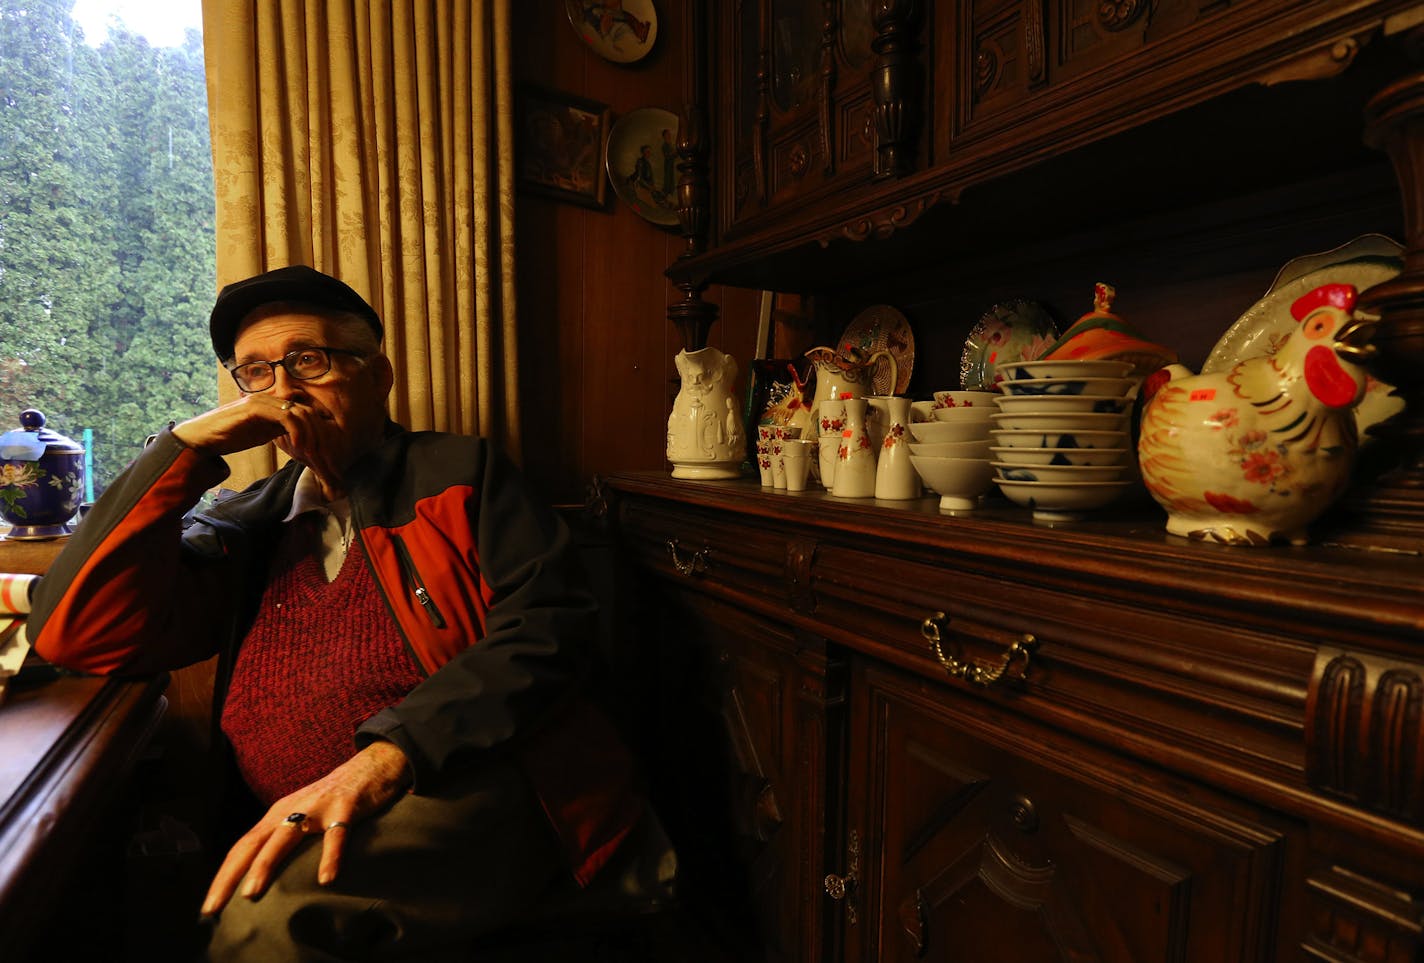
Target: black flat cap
<point>298,284</point>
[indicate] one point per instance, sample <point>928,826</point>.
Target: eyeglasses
<point>303,364</point>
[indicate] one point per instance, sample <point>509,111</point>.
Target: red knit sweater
<point>319,660</point>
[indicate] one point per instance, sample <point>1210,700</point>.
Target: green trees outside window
<point>106,231</point>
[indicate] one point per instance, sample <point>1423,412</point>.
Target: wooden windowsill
<point>29,558</point>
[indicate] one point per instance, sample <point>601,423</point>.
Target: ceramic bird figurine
<point>1256,453</point>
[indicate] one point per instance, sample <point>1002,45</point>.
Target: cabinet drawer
<point>708,552</point>
<point>1135,675</point>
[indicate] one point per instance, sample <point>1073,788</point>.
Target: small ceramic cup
<point>782,434</point>
<point>796,457</point>
<point>766,435</point>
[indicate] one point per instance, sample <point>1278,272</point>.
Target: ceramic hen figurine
<point>1256,453</point>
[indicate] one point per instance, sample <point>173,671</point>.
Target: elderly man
<point>401,633</point>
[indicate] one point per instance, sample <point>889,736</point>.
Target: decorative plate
<point>618,30</point>
<point>641,159</point>
<point>1363,262</point>
<point>882,328</point>
<point>1017,330</point>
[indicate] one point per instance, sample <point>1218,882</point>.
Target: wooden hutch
<point>1213,753</point>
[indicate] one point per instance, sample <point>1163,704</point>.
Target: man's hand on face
<point>358,788</point>
<point>303,430</point>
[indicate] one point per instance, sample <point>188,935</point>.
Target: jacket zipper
<point>417,584</point>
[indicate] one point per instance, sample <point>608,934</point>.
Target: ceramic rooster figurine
<point>1256,453</point>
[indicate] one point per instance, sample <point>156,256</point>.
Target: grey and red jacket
<point>480,580</point>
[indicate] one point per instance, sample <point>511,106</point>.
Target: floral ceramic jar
<point>41,479</point>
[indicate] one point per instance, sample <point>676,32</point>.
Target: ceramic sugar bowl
<point>704,437</point>
<point>41,479</point>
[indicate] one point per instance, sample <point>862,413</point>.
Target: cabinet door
<point>740,764</point>
<point>981,837</point>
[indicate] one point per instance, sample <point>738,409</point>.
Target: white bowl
<point>1053,404</point>
<point>965,415</point>
<point>964,399</point>
<point>1015,438</point>
<point>958,481</point>
<point>1023,370</point>
<point>1067,500</point>
<point>1068,421</point>
<point>978,448</point>
<point>1058,456</point>
<point>1061,473</point>
<point>931,432</point>
<point>1102,387</point>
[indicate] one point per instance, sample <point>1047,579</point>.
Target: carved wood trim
<point>1352,918</point>
<point>893,79</point>
<point>800,553</point>
<point>1367,708</point>
<point>762,127</point>
<point>828,83</point>
<point>1035,41</point>
<point>880,224</point>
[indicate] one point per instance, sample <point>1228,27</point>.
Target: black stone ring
<point>295,820</point>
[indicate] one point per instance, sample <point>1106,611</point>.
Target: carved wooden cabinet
<point>836,120</point>
<point>1194,753</point>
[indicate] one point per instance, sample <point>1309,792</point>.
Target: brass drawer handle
<point>1020,648</point>
<point>843,888</point>
<point>693,565</point>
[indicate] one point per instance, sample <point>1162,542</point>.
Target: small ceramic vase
<point>895,477</point>
<point>704,436</point>
<point>831,425</point>
<point>766,434</point>
<point>855,459</point>
<point>796,454</point>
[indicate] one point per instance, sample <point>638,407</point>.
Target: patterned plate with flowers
<point>882,328</point>
<point>1019,330</point>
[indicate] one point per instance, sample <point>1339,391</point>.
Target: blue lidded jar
<point>41,479</point>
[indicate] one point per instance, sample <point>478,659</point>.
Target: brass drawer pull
<point>693,565</point>
<point>1020,648</point>
<point>843,888</point>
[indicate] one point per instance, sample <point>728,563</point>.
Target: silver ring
<point>287,405</point>
<point>334,824</point>
<point>295,820</point>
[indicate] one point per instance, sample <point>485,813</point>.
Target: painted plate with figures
<point>622,31</point>
<point>641,159</point>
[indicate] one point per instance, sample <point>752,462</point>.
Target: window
<point>106,224</point>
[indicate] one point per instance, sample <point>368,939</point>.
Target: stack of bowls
<point>951,453</point>
<point>1062,440</point>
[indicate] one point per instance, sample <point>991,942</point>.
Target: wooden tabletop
<point>66,745</point>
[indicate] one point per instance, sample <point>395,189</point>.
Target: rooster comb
<point>1340,296</point>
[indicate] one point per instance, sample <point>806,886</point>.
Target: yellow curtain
<point>373,139</point>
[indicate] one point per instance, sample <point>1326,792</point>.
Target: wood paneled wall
<point>596,347</point>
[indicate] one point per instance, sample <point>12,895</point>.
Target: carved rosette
<point>1115,15</point>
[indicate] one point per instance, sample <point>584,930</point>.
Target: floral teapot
<point>41,479</point>
<point>847,373</point>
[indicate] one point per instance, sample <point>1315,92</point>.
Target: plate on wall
<point>1019,330</point>
<point>622,31</point>
<point>883,328</point>
<point>1363,262</point>
<point>641,159</point>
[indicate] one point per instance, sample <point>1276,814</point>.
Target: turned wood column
<point>1386,509</point>
<point>692,316</point>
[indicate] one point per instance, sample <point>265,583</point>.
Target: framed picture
<point>560,143</point>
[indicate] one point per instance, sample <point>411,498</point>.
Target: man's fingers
<point>279,844</point>
<point>230,873</point>
<point>332,842</point>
